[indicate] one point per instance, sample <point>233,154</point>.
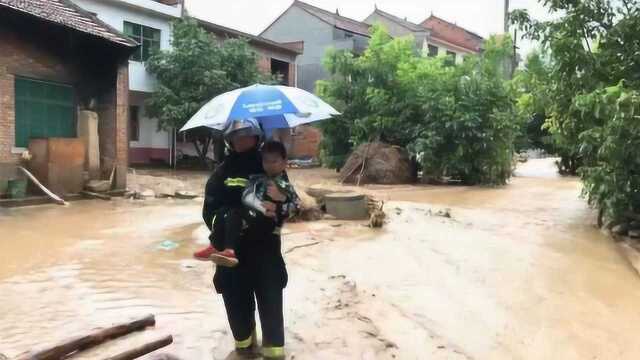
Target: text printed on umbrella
<point>262,106</point>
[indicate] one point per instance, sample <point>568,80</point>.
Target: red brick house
<point>56,59</point>
<point>447,34</point>
<point>434,36</point>
<point>273,57</point>
<point>278,59</point>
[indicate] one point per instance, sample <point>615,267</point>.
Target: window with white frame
<point>147,37</point>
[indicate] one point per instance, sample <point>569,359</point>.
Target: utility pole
<point>514,59</point>
<point>506,16</point>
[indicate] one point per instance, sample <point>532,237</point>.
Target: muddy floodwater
<point>517,272</point>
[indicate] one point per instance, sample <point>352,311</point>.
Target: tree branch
<point>586,39</point>
<point>195,144</point>
<point>293,248</point>
<point>205,149</point>
<point>626,6</point>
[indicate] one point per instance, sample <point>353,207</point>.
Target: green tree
<point>346,97</point>
<point>469,121</point>
<point>460,120</point>
<point>593,45</point>
<point>195,70</point>
<point>531,87</point>
<point>366,89</point>
<point>592,94</point>
<point>611,172</point>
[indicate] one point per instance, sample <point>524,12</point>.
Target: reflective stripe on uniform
<point>213,221</point>
<point>244,343</point>
<point>239,182</point>
<point>272,352</point>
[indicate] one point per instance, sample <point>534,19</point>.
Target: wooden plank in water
<point>143,349</point>
<point>71,346</point>
<point>53,196</point>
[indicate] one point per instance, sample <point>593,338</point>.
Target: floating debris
<point>187,195</point>
<point>446,213</point>
<point>167,245</point>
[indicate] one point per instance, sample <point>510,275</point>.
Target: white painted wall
<point>397,30</point>
<point>442,51</point>
<point>150,137</point>
<point>150,5</point>
<point>143,12</point>
<point>422,41</point>
<point>296,24</point>
<point>148,13</point>
<point>394,29</point>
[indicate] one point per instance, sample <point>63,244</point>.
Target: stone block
<point>88,132</point>
<point>347,206</point>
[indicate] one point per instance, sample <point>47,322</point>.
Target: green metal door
<point>43,110</point>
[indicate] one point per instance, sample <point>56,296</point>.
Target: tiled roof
<point>296,45</point>
<point>223,30</point>
<point>66,13</point>
<point>403,22</point>
<point>334,19</point>
<point>168,2</point>
<point>452,33</point>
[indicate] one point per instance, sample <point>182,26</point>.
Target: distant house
<point>276,58</point>
<point>320,30</point>
<point>398,27</point>
<point>56,58</point>
<point>434,36</point>
<point>149,23</point>
<point>451,38</point>
<point>273,57</point>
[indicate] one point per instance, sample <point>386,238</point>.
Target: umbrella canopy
<point>273,106</point>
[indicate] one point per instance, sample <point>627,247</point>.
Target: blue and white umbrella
<point>275,107</point>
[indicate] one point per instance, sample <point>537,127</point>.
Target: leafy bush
<point>460,120</point>
<point>531,87</point>
<point>611,173</point>
<point>365,90</point>
<point>592,45</point>
<point>591,95</point>
<point>194,71</point>
<point>470,123</point>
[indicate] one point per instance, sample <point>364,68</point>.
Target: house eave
<point>151,7</point>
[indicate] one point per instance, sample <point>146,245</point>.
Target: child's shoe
<point>205,253</point>
<point>226,257</point>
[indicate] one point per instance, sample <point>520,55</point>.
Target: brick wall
<point>264,56</point>
<point>18,57</point>
<point>113,127</point>
<point>305,142</point>
<point>25,52</point>
<point>107,129</point>
<point>292,74</point>
<point>7,117</point>
<point>33,48</point>
<point>122,125</point>
<point>25,55</point>
<point>264,64</point>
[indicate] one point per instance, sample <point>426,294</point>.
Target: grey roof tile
<point>68,14</point>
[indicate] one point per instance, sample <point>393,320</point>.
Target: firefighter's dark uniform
<point>261,270</point>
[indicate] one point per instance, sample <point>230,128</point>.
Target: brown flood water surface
<point>518,272</point>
